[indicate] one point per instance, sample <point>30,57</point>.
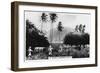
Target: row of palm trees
<point>53,17</point>
<point>80,28</point>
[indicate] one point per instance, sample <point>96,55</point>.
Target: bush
<point>76,39</point>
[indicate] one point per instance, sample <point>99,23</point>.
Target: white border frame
<point>60,62</point>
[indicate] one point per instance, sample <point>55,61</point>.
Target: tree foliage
<point>75,39</point>
<point>60,27</point>
<point>34,37</point>
<point>44,17</point>
<point>80,28</point>
<point>53,17</point>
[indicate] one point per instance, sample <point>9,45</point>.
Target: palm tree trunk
<point>59,36</point>
<point>52,32</point>
<point>41,26</point>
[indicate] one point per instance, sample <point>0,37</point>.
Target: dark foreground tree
<point>86,39</point>
<point>34,37</point>
<point>75,39</point>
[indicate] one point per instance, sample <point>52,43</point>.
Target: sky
<point>68,19</point>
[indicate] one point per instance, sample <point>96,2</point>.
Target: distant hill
<point>65,31</point>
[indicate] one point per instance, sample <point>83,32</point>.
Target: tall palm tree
<point>60,28</point>
<point>76,28</point>
<point>43,19</point>
<point>83,30</point>
<point>53,17</point>
<point>80,28</point>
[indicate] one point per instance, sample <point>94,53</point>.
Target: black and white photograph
<point>52,35</point>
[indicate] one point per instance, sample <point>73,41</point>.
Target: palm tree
<point>83,30</point>
<point>53,17</point>
<point>80,28</point>
<point>43,19</point>
<point>59,28</point>
<point>76,28</point>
